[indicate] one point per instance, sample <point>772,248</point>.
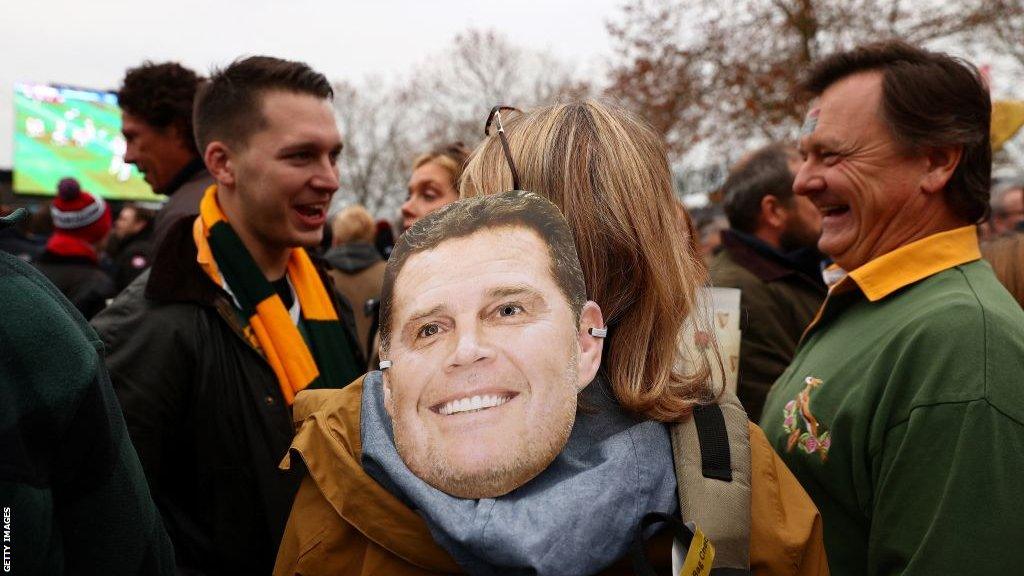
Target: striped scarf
<point>327,361</point>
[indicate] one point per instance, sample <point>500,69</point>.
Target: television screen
<point>64,132</point>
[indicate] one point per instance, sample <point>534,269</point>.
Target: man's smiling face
<point>486,362</point>
<point>865,184</point>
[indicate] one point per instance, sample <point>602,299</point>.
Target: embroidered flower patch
<point>803,427</point>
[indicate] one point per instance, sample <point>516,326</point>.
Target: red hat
<point>78,213</point>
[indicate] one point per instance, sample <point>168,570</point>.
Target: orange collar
<point>916,261</point>
<point>904,266</point>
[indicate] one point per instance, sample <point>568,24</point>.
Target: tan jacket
<point>343,522</point>
<point>357,288</point>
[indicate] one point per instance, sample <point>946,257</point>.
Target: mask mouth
<point>471,404</point>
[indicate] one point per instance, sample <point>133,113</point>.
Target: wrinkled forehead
<point>850,105</point>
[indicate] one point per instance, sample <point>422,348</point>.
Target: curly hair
<point>162,96</point>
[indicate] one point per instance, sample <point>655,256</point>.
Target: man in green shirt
<point>902,413</point>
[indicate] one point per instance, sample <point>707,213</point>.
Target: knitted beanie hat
<point>78,213</point>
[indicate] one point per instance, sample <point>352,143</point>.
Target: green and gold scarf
<point>321,360</point>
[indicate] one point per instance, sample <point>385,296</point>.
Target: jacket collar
<point>763,261</point>
<point>328,441</point>
<point>916,261</point>
<point>175,275</point>
<point>190,170</point>
<point>900,268</point>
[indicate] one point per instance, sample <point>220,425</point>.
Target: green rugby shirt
<point>902,415</point>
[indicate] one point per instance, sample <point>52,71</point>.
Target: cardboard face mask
<point>485,356</point>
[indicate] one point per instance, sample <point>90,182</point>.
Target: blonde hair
<point>353,224</point>
<point>452,157</point>
<point>1006,256</point>
<point>608,173</point>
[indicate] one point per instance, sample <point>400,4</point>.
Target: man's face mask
<point>485,362</point>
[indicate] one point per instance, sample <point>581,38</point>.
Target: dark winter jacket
<point>184,193</point>
<point>205,412</point>
<point>73,494</point>
<point>358,273</point>
<point>80,279</point>
<point>777,301</point>
<point>17,243</point>
<point>131,256</point>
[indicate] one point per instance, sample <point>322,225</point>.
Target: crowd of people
<point>235,383</point>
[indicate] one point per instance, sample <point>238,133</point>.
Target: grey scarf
<point>578,516</point>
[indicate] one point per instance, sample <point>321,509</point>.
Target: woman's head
<point>608,173</point>
<point>434,181</point>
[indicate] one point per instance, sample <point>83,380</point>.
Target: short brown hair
<point>353,224</point>
<point>228,107</point>
<point>465,217</point>
<point>766,171</point>
<point>161,95</point>
<point>928,99</point>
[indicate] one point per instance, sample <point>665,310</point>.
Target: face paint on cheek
<point>810,123</point>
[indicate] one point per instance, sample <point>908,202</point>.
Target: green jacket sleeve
<point>948,499</point>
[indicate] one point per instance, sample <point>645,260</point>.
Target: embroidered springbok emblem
<point>809,434</point>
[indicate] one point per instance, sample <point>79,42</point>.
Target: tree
<point>1009,27</point>
<point>726,74</point>
<point>385,126</point>
<point>455,89</point>
<point>376,126</point>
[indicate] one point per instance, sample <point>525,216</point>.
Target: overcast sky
<point>90,43</point>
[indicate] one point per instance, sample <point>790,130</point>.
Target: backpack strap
<point>711,452</point>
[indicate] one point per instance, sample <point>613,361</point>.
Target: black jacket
<point>80,279</point>
<point>184,192</point>
<point>205,413</point>
<point>131,256</point>
<point>778,300</point>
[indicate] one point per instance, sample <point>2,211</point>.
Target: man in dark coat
<point>131,243</point>
<point>769,254</point>
<point>156,117</point>
<point>81,221</point>
<point>73,496</point>
<point>209,347</point>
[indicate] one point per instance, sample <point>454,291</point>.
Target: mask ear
<point>591,346</point>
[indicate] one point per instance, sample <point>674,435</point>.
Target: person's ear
<point>942,162</point>
<point>220,162</point>
<point>591,343</point>
<point>773,212</point>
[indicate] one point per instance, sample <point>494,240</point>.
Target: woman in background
<point>434,181</point>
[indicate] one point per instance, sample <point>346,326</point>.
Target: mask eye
<point>428,330</point>
<point>507,310</point>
